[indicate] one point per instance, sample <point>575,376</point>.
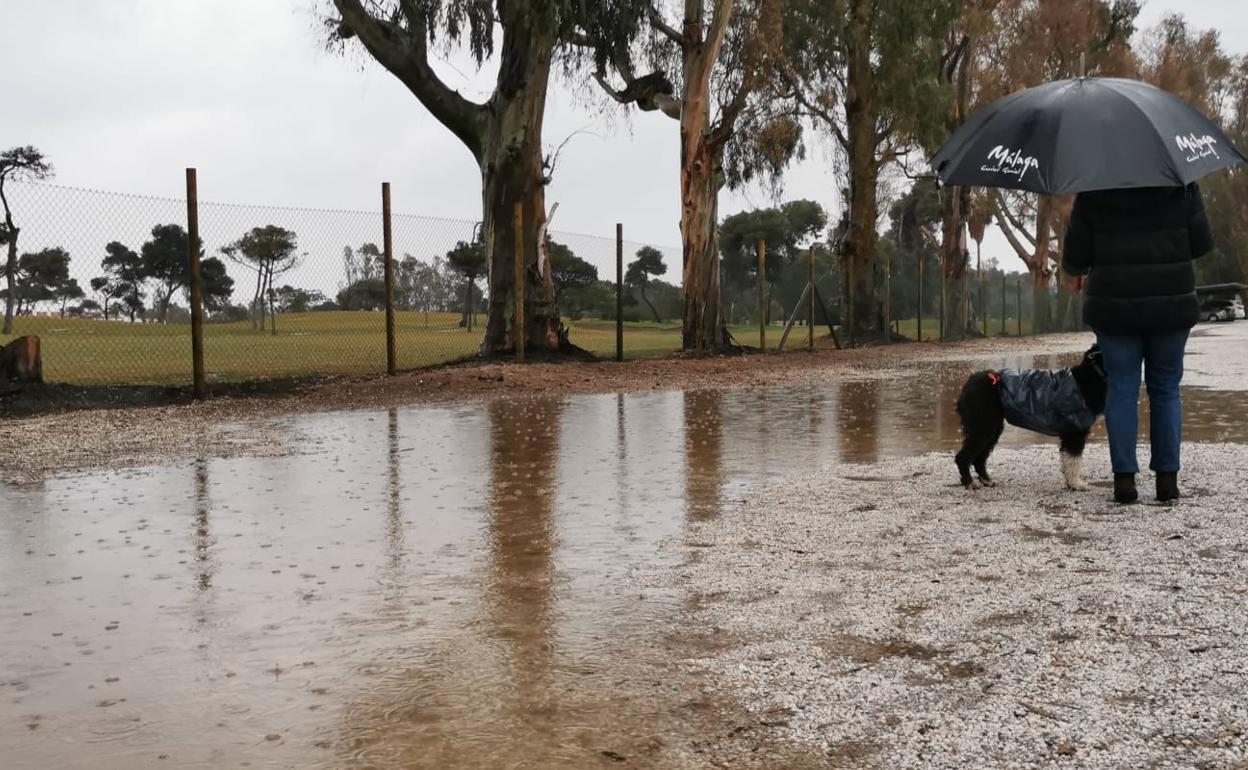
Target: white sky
<point>124,94</point>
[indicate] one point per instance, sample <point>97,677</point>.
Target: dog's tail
<point>977,381</point>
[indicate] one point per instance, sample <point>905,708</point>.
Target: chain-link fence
<point>103,279</point>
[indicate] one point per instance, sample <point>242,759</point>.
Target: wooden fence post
<point>888,297</point>
<point>197,285</point>
<point>1004,292</point>
<point>520,330</point>
<point>983,301</point>
<point>387,235</point>
<point>762,295</point>
<point>1018,300</point>
<point>919,259</point>
<point>810,323</point>
<point>619,291</point>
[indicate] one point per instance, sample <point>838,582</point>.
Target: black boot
<point>1167,487</point>
<point>1124,488</point>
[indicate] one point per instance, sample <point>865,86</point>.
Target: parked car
<point>1220,310</point>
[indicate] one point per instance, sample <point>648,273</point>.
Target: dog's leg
<point>1072,461</point>
<point>981,462</point>
<point>963,458</point>
<point>979,406</point>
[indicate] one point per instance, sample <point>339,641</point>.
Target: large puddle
<point>431,587</point>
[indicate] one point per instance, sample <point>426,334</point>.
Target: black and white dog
<point>1063,403</point>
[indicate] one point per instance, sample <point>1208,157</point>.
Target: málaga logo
<point>1003,160</point>
<point>1196,147</point>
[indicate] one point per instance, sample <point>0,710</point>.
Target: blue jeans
<point>1162,358</point>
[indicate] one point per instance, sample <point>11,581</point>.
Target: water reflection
<point>703,435</point>
<point>524,438</point>
<point>204,566</point>
<point>393,572</point>
<point>858,423</point>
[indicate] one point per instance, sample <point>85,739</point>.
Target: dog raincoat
<point>1047,402</point>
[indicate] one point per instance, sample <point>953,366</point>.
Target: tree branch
<point>720,19</point>
<point>405,53</point>
<point>665,29</point>
<point>998,208</point>
<point>649,92</point>
<point>727,122</point>
<point>1004,212</point>
<point>815,111</point>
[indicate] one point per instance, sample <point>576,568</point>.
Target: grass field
<point>93,352</point>
<point>931,328</point>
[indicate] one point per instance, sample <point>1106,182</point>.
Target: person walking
<point>1137,247</point>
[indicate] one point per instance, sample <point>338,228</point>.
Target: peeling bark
<point>511,174</point>
<point>11,232</point>
<point>701,176</point>
<point>504,136</point>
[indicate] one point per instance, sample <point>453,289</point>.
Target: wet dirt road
<point>431,587</point>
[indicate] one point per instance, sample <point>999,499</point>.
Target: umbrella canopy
<point>1085,134</point>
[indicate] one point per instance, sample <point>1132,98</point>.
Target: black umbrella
<point>1085,134</point>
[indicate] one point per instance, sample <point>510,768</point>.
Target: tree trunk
<point>21,361</point>
<point>10,267</point>
<point>649,304</point>
<point>511,174</point>
<point>864,320</point>
<point>701,176</point>
<point>257,307</point>
<point>953,260</point>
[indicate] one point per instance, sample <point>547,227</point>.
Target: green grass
<point>90,352</point>
<point>931,328</point>
<point>94,352</point>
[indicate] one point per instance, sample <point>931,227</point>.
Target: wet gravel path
<point>891,619</point>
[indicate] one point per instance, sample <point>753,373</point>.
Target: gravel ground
<point>889,618</point>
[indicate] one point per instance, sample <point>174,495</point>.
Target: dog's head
<point>1091,378</point>
<point>1096,360</point>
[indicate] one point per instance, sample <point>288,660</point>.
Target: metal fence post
<point>919,314</point>
<point>943,290</point>
<point>1018,300</point>
<point>888,296</point>
<point>810,322</point>
<point>1003,294</point>
<point>388,246</point>
<point>619,291</point>
<point>762,294</point>
<point>197,285</point>
<point>983,285</point>
<point>520,330</point>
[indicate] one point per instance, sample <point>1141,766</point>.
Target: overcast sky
<point>123,95</point>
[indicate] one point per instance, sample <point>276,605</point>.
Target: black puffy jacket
<point>1136,246</point>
